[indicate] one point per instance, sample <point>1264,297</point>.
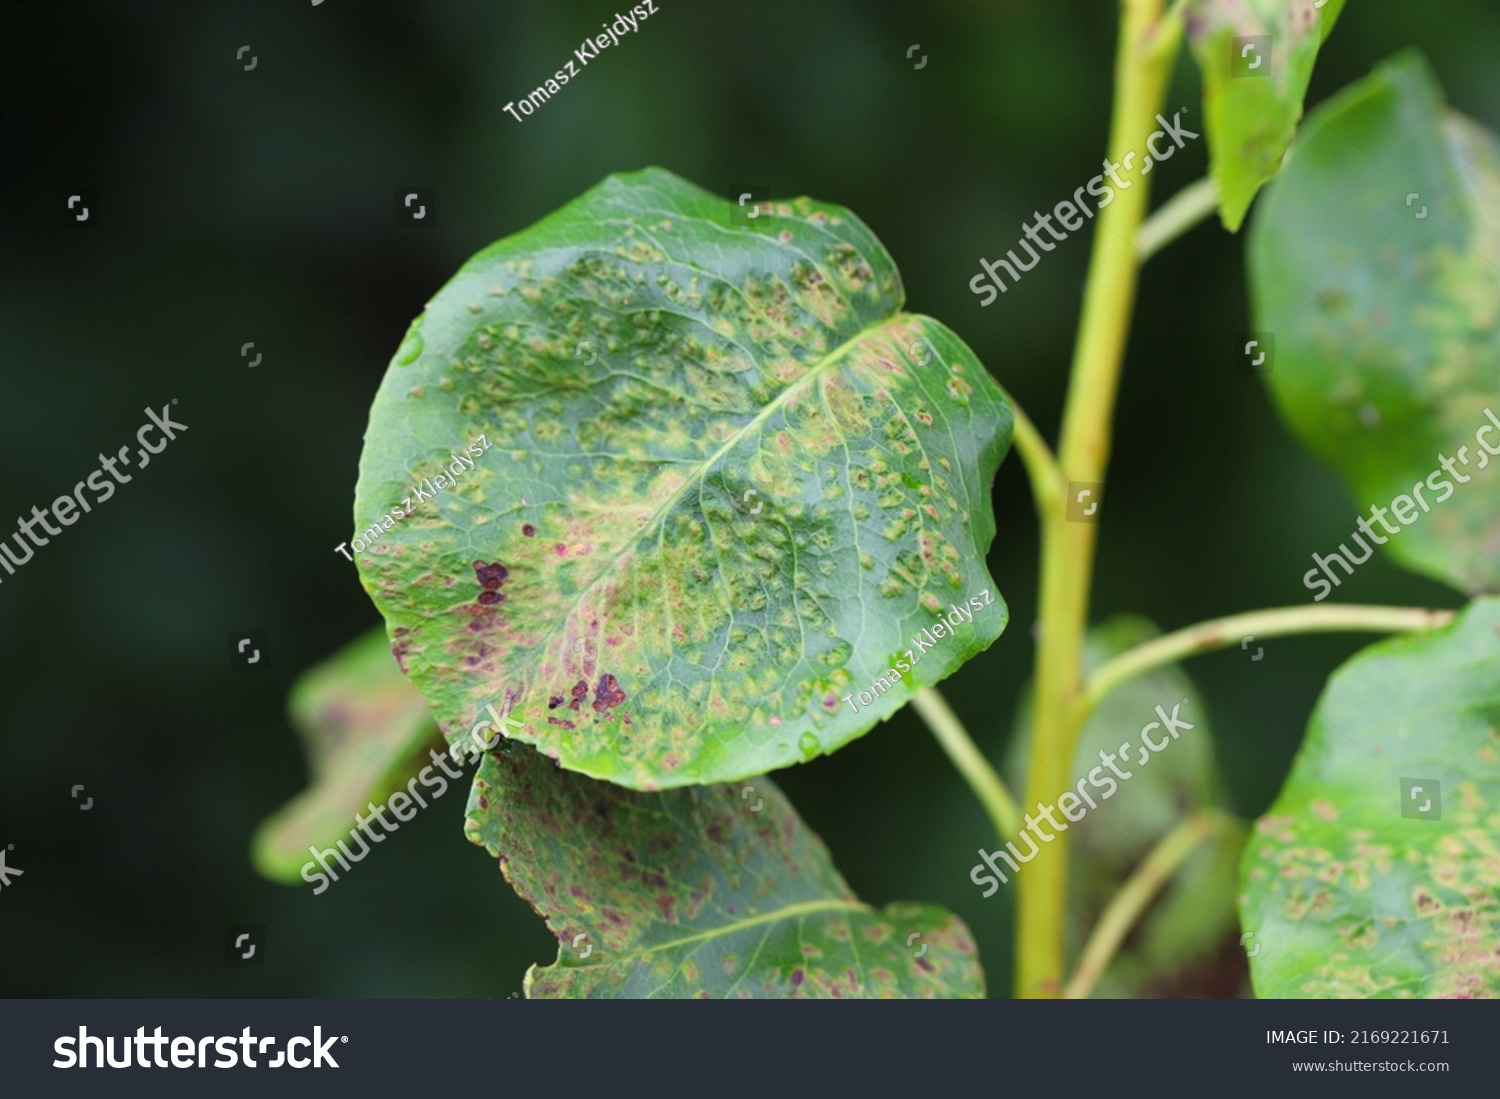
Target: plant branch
<point>1146,54</point>
<point>1047,483</point>
<point>1136,895</point>
<point>1177,215</point>
<point>1219,633</point>
<point>976,770</point>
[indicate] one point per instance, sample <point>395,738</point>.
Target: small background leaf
<point>364,728</point>
<point>1348,897</point>
<point>1387,341</point>
<point>1251,118</point>
<point>1186,944</point>
<point>713,891</point>
<point>676,561</point>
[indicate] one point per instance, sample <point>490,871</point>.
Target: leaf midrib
<point>817,371</point>
<point>788,912</point>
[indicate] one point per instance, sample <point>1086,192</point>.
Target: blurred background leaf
<point>364,728</point>
<point>1374,265</point>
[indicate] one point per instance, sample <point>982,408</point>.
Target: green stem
<point>976,770</point>
<point>1126,906</point>
<point>1219,633</point>
<point>1176,216</point>
<point>1146,53</point>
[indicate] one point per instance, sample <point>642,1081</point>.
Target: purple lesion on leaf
<point>554,702</point>
<point>562,723</point>
<point>580,694</point>
<point>608,693</point>
<point>666,904</point>
<point>490,577</point>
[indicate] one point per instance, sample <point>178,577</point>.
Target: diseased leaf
<point>363,726</point>
<point>1375,264</point>
<point>709,892</point>
<point>1253,90</point>
<point>1377,871</point>
<point>1179,947</point>
<point>727,481</point>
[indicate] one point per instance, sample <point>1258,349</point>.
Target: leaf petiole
<point>1219,633</point>
<point>983,779</point>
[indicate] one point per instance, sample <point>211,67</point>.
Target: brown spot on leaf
<point>528,530</point>
<point>491,576</point>
<point>608,694</point>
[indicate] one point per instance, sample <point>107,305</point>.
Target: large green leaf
<point>1373,264</point>
<point>676,562</point>
<point>714,891</point>
<point>363,726</point>
<point>1351,887</point>
<point>1252,109</point>
<point>1179,946</point>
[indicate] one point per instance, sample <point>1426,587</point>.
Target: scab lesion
<point>608,694</point>
<point>490,577</point>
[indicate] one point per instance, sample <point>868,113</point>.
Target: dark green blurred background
<point>235,206</point>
